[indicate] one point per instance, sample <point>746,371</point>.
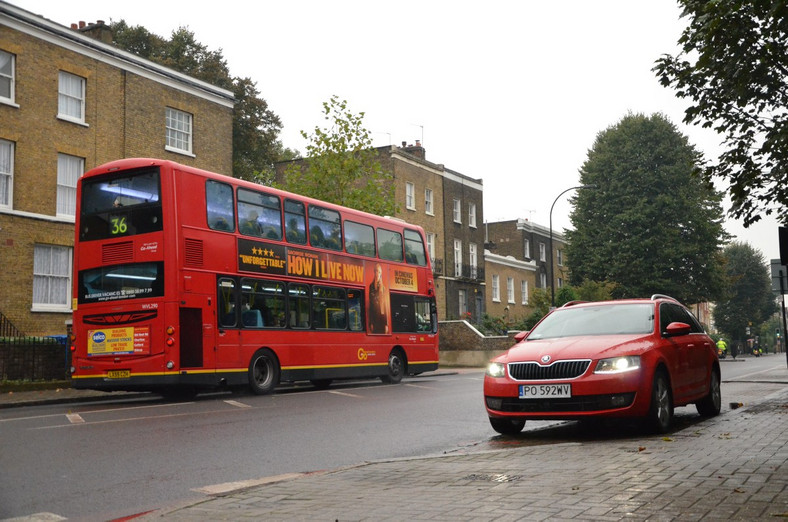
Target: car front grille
<point>586,403</point>
<point>531,371</point>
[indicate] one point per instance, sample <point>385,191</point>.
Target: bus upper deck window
<point>219,207</point>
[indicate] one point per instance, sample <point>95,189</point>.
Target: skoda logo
<point>545,359</point>
<point>99,337</point>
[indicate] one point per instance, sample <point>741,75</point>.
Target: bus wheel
<point>396,367</point>
<point>263,372</point>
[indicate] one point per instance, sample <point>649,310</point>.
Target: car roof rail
<point>663,296</point>
<point>572,303</point>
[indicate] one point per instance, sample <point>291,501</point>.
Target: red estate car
<point>622,358</point>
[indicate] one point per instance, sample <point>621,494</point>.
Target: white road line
<point>754,373</point>
<point>346,394</point>
<point>420,386</point>
<point>75,418</point>
<point>237,404</point>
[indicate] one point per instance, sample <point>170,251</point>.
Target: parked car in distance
<point>624,358</point>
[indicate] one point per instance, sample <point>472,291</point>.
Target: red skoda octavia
<point>624,358</point>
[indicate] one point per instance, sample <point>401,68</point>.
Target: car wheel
<point>263,372</point>
<point>396,368</point>
<point>660,414</point>
<point>710,405</point>
<point>507,426</point>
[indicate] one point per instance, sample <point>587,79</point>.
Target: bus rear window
<point>124,205</point>
<point>116,283</point>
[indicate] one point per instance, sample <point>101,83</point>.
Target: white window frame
<point>462,301</point>
<point>524,292</point>
<point>457,258</point>
<point>8,77</point>
<point>543,280</point>
<point>52,266</point>
<point>542,252</point>
<point>457,214</point>
<point>510,290</point>
<point>559,282</point>
<point>472,215</point>
<point>179,131</point>
<point>496,288</point>
<point>69,170</point>
<point>559,256</point>
<point>71,97</point>
<point>428,202</point>
<point>6,174</point>
<point>431,246</point>
<point>527,248</point>
<point>472,260</point>
<point>410,196</point>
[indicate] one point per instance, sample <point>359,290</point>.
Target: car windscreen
<point>615,319</point>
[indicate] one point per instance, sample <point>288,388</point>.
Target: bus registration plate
<point>545,391</point>
<point>118,374</point>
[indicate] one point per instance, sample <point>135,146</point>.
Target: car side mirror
<point>677,328</point>
<point>519,336</point>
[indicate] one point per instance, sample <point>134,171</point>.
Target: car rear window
<point>616,319</point>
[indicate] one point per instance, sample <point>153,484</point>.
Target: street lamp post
<point>552,270</point>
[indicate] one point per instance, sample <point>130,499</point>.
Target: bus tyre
<point>396,367</point>
<point>263,372</point>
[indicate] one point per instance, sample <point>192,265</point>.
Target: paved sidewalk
<point>732,467</point>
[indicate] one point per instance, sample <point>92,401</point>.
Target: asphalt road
<point>99,461</point>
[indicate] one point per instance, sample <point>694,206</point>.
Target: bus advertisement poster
<point>110,341</point>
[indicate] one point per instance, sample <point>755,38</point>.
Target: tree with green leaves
<point>733,67</point>
<point>649,226</point>
<point>341,166</point>
<point>749,300</point>
<point>256,128</point>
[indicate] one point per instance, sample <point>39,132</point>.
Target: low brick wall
<point>463,345</point>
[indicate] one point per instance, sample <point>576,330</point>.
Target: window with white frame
<point>71,97</point>
<point>560,282</point>
<point>543,280</point>
<point>524,292</point>
<point>472,261</point>
<point>457,258</point>
<point>457,211</point>
<point>51,278</point>
<point>431,246</point>
<point>496,288</point>
<point>6,173</point>
<point>472,215</point>
<point>410,196</point>
<point>69,169</point>
<point>179,131</point>
<point>527,248</point>
<point>7,76</point>
<point>542,252</point>
<point>510,289</point>
<point>559,256</point>
<point>462,298</point>
<point>428,201</point>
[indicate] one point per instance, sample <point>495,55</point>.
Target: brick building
<point>70,101</point>
<point>527,241</point>
<point>448,205</point>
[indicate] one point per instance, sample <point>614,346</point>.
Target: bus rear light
<point>72,369</point>
<point>170,330</point>
<point>170,341</point>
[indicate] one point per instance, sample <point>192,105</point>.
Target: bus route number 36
<point>119,225</point>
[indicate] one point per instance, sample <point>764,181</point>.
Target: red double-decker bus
<point>187,279</point>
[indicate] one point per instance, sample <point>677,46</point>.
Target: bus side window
<point>389,245</point>
<point>298,305</point>
<point>219,208</point>
<point>295,222</point>
<point>414,249</point>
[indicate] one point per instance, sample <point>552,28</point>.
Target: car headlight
<point>496,370</point>
<point>618,364</point>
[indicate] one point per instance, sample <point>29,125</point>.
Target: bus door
<point>228,323</point>
<point>197,335</point>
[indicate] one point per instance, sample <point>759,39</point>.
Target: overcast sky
<point>513,92</point>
